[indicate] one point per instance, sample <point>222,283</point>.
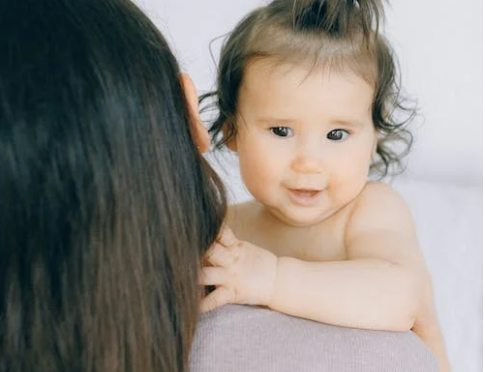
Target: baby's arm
<point>380,284</point>
<point>378,287</point>
<point>383,285</point>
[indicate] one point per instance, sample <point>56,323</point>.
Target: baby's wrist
<point>272,280</point>
<point>275,294</point>
<point>281,294</point>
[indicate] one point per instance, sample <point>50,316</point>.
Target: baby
<point>308,97</point>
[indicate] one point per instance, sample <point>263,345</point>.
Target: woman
<point>106,203</point>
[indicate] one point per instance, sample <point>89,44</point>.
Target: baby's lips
<point>305,192</point>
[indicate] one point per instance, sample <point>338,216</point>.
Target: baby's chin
<point>300,218</point>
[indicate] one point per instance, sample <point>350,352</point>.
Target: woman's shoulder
<point>248,338</point>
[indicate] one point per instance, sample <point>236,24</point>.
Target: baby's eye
<point>337,135</point>
<point>282,131</point>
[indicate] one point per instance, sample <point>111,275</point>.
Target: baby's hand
<point>242,273</point>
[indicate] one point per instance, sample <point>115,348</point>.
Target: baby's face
<point>305,139</point>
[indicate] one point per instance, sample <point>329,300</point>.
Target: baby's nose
<point>309,155</point>
<point>305,164</point>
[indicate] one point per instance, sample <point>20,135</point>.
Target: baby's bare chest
<point>308,247</point>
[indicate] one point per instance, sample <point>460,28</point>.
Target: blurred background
<point>439,45</point>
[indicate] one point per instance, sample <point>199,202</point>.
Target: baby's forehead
<point>273,68</point>
<point>293,94</point>
<point>266,75</point>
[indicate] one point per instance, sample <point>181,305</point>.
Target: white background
<point>439,45</point>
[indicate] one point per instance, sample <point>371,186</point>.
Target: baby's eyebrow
<point>348,122</point>
<point>276,120</point>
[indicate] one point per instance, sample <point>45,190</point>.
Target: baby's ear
<point>226,132</point>
<point>199,131</point>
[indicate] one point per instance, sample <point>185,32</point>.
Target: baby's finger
<point>212,276</point>
<point>227,237</point>
<point>218,255</point>
<point>221,296</point>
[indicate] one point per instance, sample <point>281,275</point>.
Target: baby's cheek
<point>346,183</point>
<point>255,170</point>
<point>260,174</point>
<point>356,165</point>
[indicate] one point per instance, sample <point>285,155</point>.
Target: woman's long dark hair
<point>106,206</point>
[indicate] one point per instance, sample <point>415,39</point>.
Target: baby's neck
<point>256,223</point>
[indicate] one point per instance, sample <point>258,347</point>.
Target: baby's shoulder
<point>376,192</point>
<point>379,205</point>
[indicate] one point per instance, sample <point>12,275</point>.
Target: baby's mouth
<point>305,197</point>
<point>305,193</point>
